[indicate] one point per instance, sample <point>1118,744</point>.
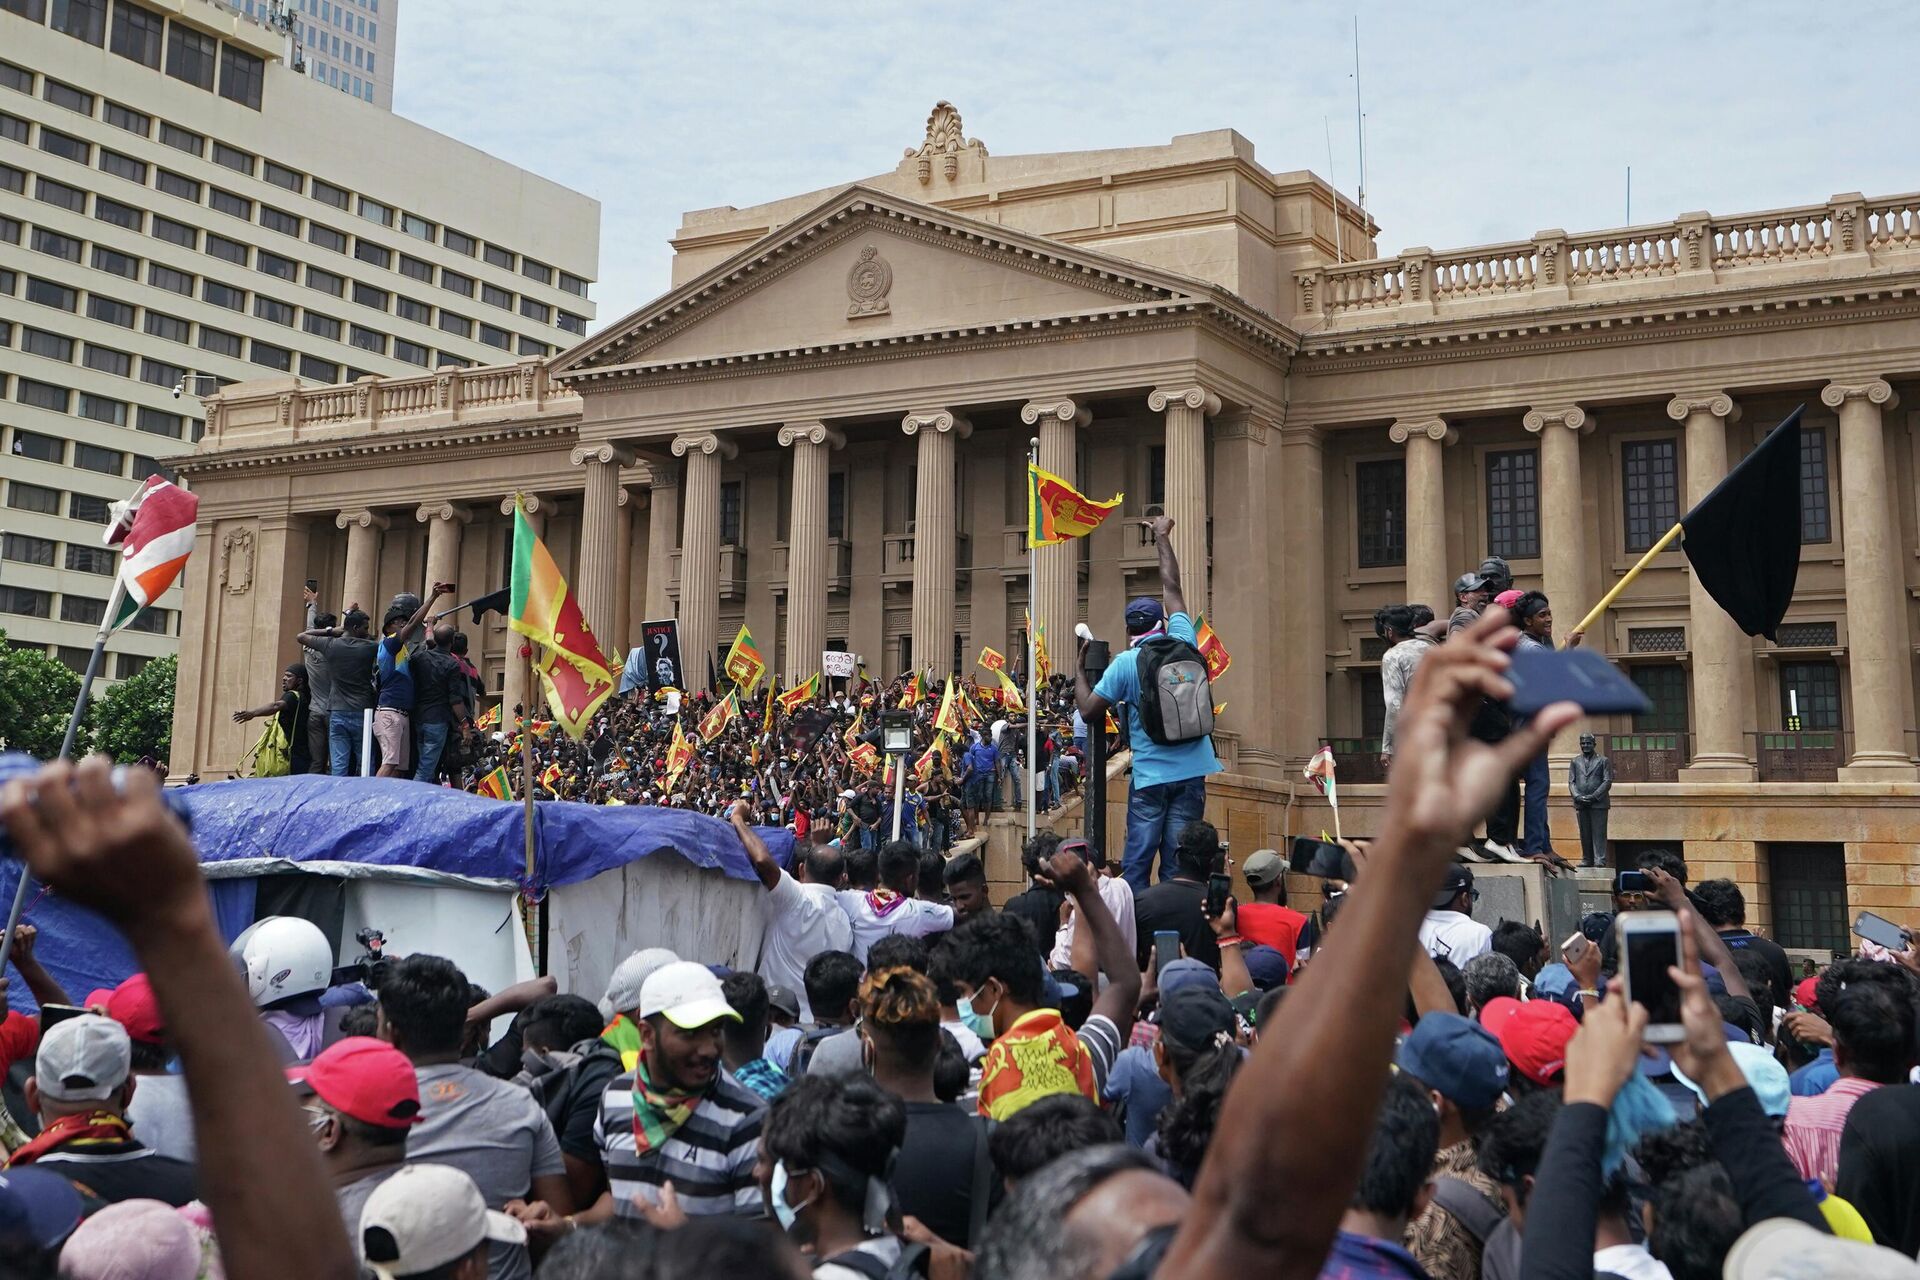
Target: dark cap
<point>1458,878</point>
<point>1267,966</point>
<point>354,618</point>
<point>1144,613</point>
<point>1468,582</point>
<point>1458,1058</point>
<point>783,999</point>
<point>1494,569</point>
<point>1196,1018</point>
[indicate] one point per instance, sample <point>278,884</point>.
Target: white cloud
<point>1486,121</point>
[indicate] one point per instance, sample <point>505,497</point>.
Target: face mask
<point>784,1213</point>
<point>981,1024</point>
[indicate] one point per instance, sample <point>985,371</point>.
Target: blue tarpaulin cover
<point>403,826</point>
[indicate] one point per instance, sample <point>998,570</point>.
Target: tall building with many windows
<point>172,219</point>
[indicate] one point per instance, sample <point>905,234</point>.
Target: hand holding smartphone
<point>1219,893</point>
<point>1881,931</point>
<point>1649,948</point>
<point>1166,949</point>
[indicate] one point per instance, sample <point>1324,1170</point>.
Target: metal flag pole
<point>114,597</point>
<point>1033,622</point>
<point>526,800</point>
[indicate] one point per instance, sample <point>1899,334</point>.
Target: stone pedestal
<point>700,552</point>
<point>1722,663</point>
<point>1428,581</point>
<point>934,541</point>
<point>807,547</point>
<point>1187,410</point>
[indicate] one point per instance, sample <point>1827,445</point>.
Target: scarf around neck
<point>658,1113</point>
<point>80,1129</point>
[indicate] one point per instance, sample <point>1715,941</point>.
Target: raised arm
<point>103,838</point>
<point>1170,589</point>
<point>45,987</point>
<point>758,854</point>
<point>1252,1213</point>
<point>311,638</point>
<point>1234,978</point>
<point>426,605</point>
<point>1069,873</point>
<point>1091,705</point>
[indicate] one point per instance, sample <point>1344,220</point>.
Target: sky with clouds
<point>1486,120</point>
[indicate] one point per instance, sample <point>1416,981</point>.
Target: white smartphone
<point>1649,946</point>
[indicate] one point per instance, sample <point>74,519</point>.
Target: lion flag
<point>577,673</point>
<point>744,664</point>
<point>1056,511</point>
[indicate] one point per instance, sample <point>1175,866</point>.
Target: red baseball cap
<point>365,1078</point>
<point>131,1004</point>
<point>1533,1035</point>
<point>1803,994</point>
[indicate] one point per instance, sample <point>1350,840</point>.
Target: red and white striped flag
<point>154,531</point>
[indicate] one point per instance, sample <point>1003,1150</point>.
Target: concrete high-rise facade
<point>172,220</point>
<point>347,45</point>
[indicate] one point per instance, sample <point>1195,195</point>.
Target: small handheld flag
<point>1056,511</point>
<point>495,785</point>
<point>1210,647</point>
<point>1319,771</point>
<point>744,664</point>
<point>716,721</point>
<point>992,659</point>
<point>800,695</point>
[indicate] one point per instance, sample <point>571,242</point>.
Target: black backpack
<point>1176,697</point>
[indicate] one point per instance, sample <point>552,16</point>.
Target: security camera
<point>178,387</point>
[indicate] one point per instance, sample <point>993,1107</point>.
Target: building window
<point>417,227</point>
<point>31,444</point>
<point>321,326</point>
<point>368,296</point>
<point>1816,517</point>
<point>107,360</point>
<point>327,193</point>
<point>47,191</point>
<point>367,251</point>
<point>41,395</point>
<point>366,339</point>
<point>837,505</point>
<point>18,78</point>
<point>458,241</point>
<point>127,118</point>
<point>1513,504</point>
<point>55,245</point>
<point>274,265</point>
<point>1380,497</point>
<point>167,278</point>
<point>319,370</point>
<point>85,559</point>
<point>456,324</point>
<point>1809,888</point>
<point>411,352</point>
<point>532,346</point>
<point>536,310</point>
<point>128,665</point>
<point>109,311</point>
<point>65,145</point>
<point>730,513</point>
<point>175,184</point>
<point>326,282</point>
<point>1650,486</point>
<point>10,229</point>
<point>136,34</point>
<point>454,282</point>
<point>232,158</point>
<point>158,422</point>
<point>498,257</point>
<point>495,337</point>
<point>493,297</point>
<point>223,295</point>
<point>65,95</point>
<point>219,341</point>
<point>50,346</point>
<point>172,232</point>
<point>414,269</point>
<point>273,310</point>
<point>280,220</point>
<point>81,19</point>
<point>226,250</point>
<point>179,139</point>
<point>272,357</point>
<point>13,128</point>
<point>34,11</point>
<point>152,621</point>
<point>573,284</point>
<point>84,506</point>
<point>190,56</point>
<point>326,237</point>
<point>32,497</point>
<point>22,549</point>
<point>410,309</point>
<point>159,373</point>
<point>46,293</point>
<point>88,609</point>
<point>161,325</point>
<point>1812,686</point>
<point>536,271</point>
<point>228,203</point>
<point>1666,687</point>
<point>120,264</point>
<point>374,211</point>
<point>281,176</point>
<point>117,214</point>
<point>242,76</point>
<point>572,323</point>
<point>24,601</point>
<point>12,179</point>
<point>88,457</point>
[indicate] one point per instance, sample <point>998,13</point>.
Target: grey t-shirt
<point>352,1198</point>
<point>837,1054</point>
<point>495,1133</point>
<point>350,665</point>
<point>161,1116</point>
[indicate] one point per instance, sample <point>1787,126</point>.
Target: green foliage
<point>36,697</point>
<point>135,717</point>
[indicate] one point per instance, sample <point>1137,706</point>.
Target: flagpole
<point>526,800</point>
<point>1606,601</point>
<point>1033,622</point>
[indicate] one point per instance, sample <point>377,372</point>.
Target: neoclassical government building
<point>821,431</point>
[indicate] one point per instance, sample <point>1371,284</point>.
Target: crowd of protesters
<point>1085,1082</point>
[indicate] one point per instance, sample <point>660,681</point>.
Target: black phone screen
<point>1219,893</point>
<point>1649,955</point>
<point>52,1015</point>
<point>1166,949</point>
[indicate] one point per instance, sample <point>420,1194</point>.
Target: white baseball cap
<point>425,1216</point>
<point>1788,1249</point>
<point>83,1059</point>
<point>686,994</point>
<point>623,988</point>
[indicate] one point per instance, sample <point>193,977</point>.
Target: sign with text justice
<point>662,643</point>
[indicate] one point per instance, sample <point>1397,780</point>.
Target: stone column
<point>1563,543</point>
<point>363,560</point>
<point>1301,623</point>
<point>514,689</point>
<point>1878,660</point>
<point>1187,409</point>
<point>663,525</point>
<point>934,544</point>
<point>1428,581</point>
<point>443,521</point>
<point>597,582</point>
<point>1240,613</point>
<point>1056,577</point>
<point>1722,661</point>
<point>812,443</point>
<point>699,612</point>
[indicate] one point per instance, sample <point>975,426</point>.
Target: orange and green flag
<point>744,665</point>
<point>800,695</point>
<point>719,718</point>
<point>495,785</point>
<point>1056,511</point>
<point>541,608</point>
<point>489,719</point>
<point>550,777</point>
<point>1210,647</point>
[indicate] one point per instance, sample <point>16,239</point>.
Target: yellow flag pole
<point>1606,601</point>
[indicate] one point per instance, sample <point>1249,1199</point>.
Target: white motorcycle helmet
<point>283,956</point>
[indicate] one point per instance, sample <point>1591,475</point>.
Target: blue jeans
<point>1155,817</point>
<point>430,741</point>
<point>343,743</point>
<point>1533,826</point>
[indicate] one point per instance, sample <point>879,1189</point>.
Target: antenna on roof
<point>1359,117</point>
<point>1339,219</point>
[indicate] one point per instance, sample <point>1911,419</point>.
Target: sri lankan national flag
<point>495,785</point>
<point>550,777</point>
<point>992,659</point>
<point>1042,665</point>
<point>913,692</point>
<point>719,718</point>
<point>948,719</point>
<point>1218,659</point>
<point>852,735</point>
<point>679,752</point>
<point>577,673</point>
<point>489,719</point>
<point>800,695</point>
<point>864,756</point>
<point>744,664</point>
<point>1056,511</point>
<point>1010,694</point>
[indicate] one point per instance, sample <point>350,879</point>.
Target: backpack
<point>913,1261</point>
<point>1176,698</point>
<point>270,756</point>
<point>804,1047</point>
<point>1470,1207</point>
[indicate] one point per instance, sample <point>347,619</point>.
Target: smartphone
<point>52,1015</point>
<point>1542,677</point>
<point>1632,882</point>
<point>1310,857</point>
<point>348,973</point>
<point>1574,947</point>
<point>1166,949</point>
<point>1219,893</point>
<point>1650,942</point>
<point>1879,929</point>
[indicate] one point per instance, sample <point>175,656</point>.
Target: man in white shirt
<point>1115,892</point>
<point>893,908</point>
<point>1448,930</point>
<point>803,915</point>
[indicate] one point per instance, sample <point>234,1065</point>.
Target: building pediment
<point>868,267</point>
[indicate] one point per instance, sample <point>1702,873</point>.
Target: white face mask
<point>785,1214</point>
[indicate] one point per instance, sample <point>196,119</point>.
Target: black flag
<point>493,601</point>
<point>1743,539</point>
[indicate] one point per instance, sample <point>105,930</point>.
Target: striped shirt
<point>709,1158</point>
<point>1813,1128</point>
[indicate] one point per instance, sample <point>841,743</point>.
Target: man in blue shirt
<point>1168,788</point>
<point>393,713</point>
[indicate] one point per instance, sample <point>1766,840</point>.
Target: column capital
<point>938,421</point>
<point>1415,428</point>
<point>1570,416</point>
<point>1060,408</point>
<point>443,511</point>
<point>534,503</point>
<point>605,452</point>
<point>1875,391</point>
<point>365,518</point>
<point>1717,403</point>
<point>1194,397</point>
<point>707,442</point>
<point>814,432</point>
<point>624,497</point>
<point>1245,424</point>
<point>1303,434</point>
